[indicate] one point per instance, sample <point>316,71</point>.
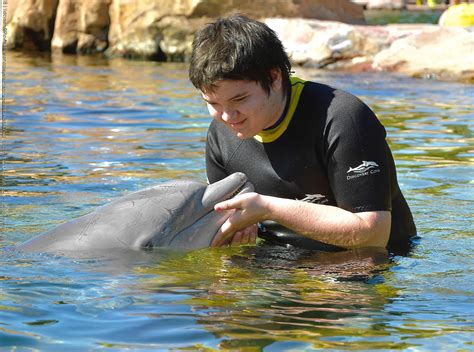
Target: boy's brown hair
<point>237,48</point>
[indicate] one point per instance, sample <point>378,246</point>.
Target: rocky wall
<point>164,29</point>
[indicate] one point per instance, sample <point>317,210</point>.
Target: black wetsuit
<point>328,143</point>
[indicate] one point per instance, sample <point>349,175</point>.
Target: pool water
<point>383,17</point>
<point>81,131</point>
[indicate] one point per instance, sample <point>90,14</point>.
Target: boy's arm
<point>328,224</point>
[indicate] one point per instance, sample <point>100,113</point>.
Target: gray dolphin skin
<point>177,214</point>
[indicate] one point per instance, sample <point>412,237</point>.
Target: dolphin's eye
<point>148,245</point>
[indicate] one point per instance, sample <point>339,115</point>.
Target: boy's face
<point>244,106</point>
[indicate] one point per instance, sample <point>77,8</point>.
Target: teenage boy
<point>295,140</point>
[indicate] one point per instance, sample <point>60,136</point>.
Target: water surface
<point>383,17</point>
<point>80,131</point>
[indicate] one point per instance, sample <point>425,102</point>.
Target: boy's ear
<point>275,73</point>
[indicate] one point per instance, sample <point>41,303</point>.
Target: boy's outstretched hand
<point>240,228</point>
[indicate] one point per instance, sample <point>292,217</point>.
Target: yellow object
<point>461,15</point>
<point>431,3</point>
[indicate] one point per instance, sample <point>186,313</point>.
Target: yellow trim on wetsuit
<point>267,136</point>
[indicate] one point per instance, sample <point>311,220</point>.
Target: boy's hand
<point>240,228</point>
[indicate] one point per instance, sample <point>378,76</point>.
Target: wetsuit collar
<point>272,133</point>
<point>285,110</point>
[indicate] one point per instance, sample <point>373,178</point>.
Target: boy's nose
<point>228,115</point>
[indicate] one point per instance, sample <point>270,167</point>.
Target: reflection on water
<point>80,131</point>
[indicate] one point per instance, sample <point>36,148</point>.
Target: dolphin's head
<point>177,214</point>
<point>193,223</point>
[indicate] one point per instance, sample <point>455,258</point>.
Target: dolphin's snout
<point>242,175</point>
<point>243,184</point>
<point>224,189</point>
<point>246,188</point>
<point>242,178</point>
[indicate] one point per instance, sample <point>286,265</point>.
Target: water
<point>81,131</point>
<point>383,17</point>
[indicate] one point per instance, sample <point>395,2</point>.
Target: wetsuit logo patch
<point>364,169</point>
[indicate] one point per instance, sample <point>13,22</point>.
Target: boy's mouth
<point>237,124</point>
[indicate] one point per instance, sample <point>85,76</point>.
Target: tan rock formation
<point>11,7</point>
<point>331,10</point>
<point>137,27</point>
<point>420,50</point>
<point>154,29</point>
<point>382,4</point>
<point>163,29</point>
<point>436,52</point>
<point>81,26</point>
<point>32,25</point>
<point>321,43</point>
<point>147,28</point>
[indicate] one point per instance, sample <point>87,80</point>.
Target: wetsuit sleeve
<point>358,158</point>
<point>214,166</point>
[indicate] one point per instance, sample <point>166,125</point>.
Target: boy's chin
<point>243,135</point>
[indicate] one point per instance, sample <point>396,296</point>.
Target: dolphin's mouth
<point>245,188</point>
<point>203,229</point>
<point>225,189</point>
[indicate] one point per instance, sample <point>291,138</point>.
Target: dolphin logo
<point>365,166</point>
<point>176,214</point>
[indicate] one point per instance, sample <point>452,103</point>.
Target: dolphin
<point>366,165</point>
<point>176,214</point>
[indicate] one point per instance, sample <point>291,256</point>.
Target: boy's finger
<point>222,236</point>
<point>222,206</point>
<point>237,238</point>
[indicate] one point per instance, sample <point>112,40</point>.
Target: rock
<point>81,27</point>
<point>331,10</point>
<point>321,43</point>
<point>311,41</point>
<point>437,52</point>
<point>152,29</point>
<point>421,50</point>
<point>178,35</point>
<point>11,7</point>
<point>32,24</point>
<point>156,29</point>
<point>164,29</point>
<point>382,4</point>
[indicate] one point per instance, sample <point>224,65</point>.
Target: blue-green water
<point>382,17</point>
<point>80,131</point>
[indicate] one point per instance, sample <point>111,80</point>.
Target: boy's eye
<point>240,98</point>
